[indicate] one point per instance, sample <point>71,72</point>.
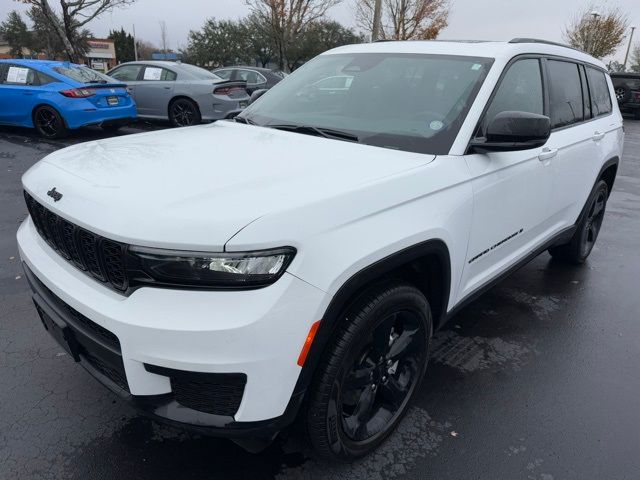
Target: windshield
<point>83,74</point>
<point>411,102</point>
<point>199,73</point>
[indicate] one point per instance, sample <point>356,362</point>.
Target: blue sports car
<point>54,97</point>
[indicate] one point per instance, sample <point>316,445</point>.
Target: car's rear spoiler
<point>105,85</point>
<point>230,84</point>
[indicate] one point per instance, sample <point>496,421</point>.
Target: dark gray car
<point>181,93</point>
<point>256,78</point>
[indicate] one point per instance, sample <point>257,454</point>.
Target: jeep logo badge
<point>54,194</point>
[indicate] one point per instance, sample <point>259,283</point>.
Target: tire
<point>623,93</point>
<point>49,123</point>
<point>184,113</point>
<point>369,372</point>
<point>579,247</point>
<point>111,128</point>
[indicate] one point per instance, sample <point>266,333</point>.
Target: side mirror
<point>257,94</point>
<point>512,131</point>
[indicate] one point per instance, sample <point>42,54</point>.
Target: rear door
<point>129,75</point>
<point>255,80</point>
<point>19,89</point>
<point>575,138</point>
<point>512,189</point>
<point>155,90</point>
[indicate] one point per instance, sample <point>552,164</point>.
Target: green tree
<point>124,44</point>
<point>15,32</point>
<point>43,39</point>
<point>259,41</point>
<point>219,43</point>
<point>319,37</point>
<point>69,26</point>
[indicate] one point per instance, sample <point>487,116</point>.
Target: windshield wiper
<point>318,131</point>
<point>96,81</point>
<point>245,120</point>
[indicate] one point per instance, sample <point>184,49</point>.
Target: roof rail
<point>538,40</point>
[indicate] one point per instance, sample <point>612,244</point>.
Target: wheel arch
<point>426,265</point>
<point>609,171</point>
<point>45,104</point>
<point>181,97</point>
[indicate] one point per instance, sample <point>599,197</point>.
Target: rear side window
<point>565,93</point>
<point>520,90</point>
<point>82,74</point>
<point>226,74</point>
<point>126,73</point>
<point>19,75</point>
<point>600,96</point>
<point>159,74</point>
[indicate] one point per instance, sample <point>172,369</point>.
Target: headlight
<point>175,268</point>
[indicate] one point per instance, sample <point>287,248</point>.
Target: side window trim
<point>586,92</point>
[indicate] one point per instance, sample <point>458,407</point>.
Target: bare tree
<point>164,36</point>
<point>286,19</point>
<point>405,19</point>
<point>75,15</point>
<point>597,33</point>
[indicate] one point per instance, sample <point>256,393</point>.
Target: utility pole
<point>377,13</point>
<point>626,57</point>
<point>135,44</point>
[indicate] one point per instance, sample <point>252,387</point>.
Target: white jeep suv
<point>294,263</point>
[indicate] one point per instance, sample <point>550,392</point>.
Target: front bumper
<point>257,334</point>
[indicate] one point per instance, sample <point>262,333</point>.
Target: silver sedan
<point>181,93</point>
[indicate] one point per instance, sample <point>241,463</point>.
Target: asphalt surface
<point>537,379</point>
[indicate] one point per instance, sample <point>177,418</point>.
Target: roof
<point>503,50</point>
<point>35,63</point>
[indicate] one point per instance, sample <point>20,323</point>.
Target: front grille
<point>215,393</point>
<point>95,255</point>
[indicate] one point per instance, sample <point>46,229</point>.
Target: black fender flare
<point>347,293</point>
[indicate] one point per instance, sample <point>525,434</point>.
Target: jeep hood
<point>195,188</point>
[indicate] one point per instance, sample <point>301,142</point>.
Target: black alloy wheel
<point>369,372</point>
<point>593,223</point>
<point>49,123</point>
<point>184,113</point>
<point>581,244</point>
<point>382,376</point>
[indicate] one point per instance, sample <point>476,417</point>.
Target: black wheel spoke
<point>401,343</point>
<point>392,393</point>
<point>359,379</point>
<point>382,335</point>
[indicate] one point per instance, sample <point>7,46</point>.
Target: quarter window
<point>565,93</point>
<point>520,91</point>
<point>600,96</point>
<point>126,73</point>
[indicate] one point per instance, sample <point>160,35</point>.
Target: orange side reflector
<point>307,343</point>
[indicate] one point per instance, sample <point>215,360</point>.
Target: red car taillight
<point>78,93</point>
<point>227,90</point>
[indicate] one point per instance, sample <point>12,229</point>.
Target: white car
<point>308,260</point>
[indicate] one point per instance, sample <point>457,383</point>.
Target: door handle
<point>597,136</point>
<point>547,153</point>
<point>167,88</point>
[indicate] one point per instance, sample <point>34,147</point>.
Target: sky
<point>469,19</point>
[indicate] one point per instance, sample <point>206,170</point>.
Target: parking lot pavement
<point>538,379</point>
